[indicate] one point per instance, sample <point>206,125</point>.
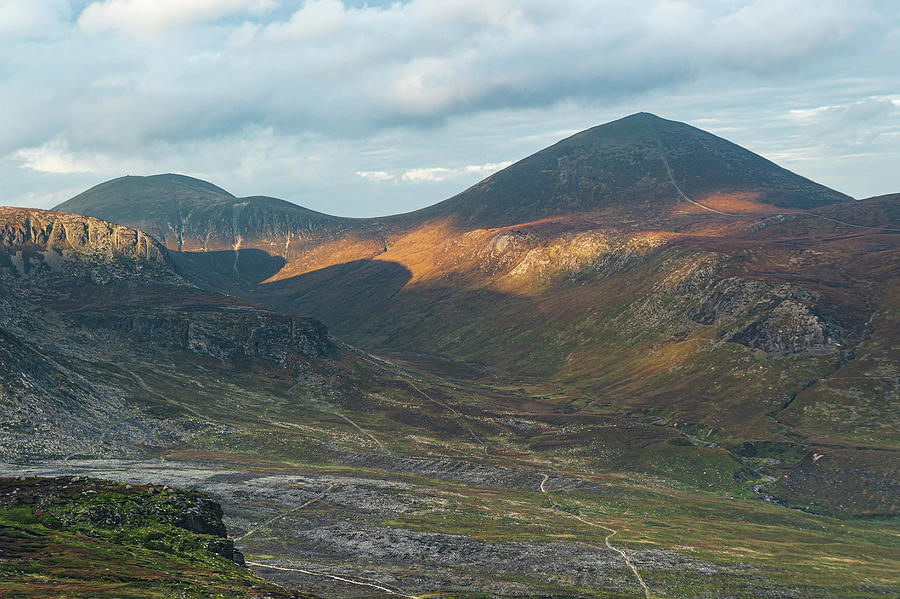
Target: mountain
<point>189,214</point>
<point>575,391</point>
<point>635,167</point>
<point>643,263</point>
<point>628,235</point>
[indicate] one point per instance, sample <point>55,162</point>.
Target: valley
<point>644,362</point>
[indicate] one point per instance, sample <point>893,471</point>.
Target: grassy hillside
<point>79,537</point>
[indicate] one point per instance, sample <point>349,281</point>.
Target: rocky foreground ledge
<point>73,536</point>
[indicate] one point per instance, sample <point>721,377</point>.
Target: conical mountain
<point>640,165</point>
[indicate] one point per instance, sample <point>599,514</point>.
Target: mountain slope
<point>645,265</point>
<point>627,168</point>
<point>649,370</point>
<point>85,305</point>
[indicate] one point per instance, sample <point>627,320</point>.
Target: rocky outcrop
<point>778,319</point>
<point>29,230</point>
<point>225,333</point>
<point>793,328</point>
<point>65,257</point>
<point>55,249</point>
<point>75,502</point>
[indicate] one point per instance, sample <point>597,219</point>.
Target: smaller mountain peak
<point>169,179</point>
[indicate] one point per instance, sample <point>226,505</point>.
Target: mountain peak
<point>178,179</point>
<point>641,166</point>
<point>185,213</point>
<point>642,116</point>
<point>118,199</point>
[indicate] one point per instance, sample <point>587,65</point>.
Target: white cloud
<point>853,112</point>
<point>434,174</point>
<point>55,157</point>
<point>422,175</point>
<point>377,176</point>
<point>31,18</point>
<point>486,169</point>
<point>434,82</point>
<point>152,16</point>
<point>331,68</point>
<point>845,127</point>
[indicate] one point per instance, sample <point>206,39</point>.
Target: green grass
<point>49,551</point>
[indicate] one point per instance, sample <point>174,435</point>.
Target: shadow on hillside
<point>370,303</point>
<point>359,291</point>
<point>225,269</point>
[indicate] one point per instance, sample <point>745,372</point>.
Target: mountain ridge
<point>634,165</point>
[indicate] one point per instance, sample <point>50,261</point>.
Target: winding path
<point>611,532</point>
<point>662,154</point>
<point>363,431</point>
<point>665,161</point>
<point>459,417</point>
<point>140,381</point>
<point>391,368</point>
<point>335,577</point>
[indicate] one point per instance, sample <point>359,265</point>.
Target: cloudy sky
<point>367,108</point>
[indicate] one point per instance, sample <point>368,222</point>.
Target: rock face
<point>792,328</point>
<point>778,319</point>
<point>226,333</point>
<point>22,229</point>
<point>105,276</point>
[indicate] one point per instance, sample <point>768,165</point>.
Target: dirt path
<point>611,532</point>
<point>346,419</point>
<point>662,154</point>
<point>372,585</point>
<point>278,517</point>
<point>544,491</point>
<point>366,433</point>
<point>840,222</point>
<point>148,389</point>
<point>408,378</point>
<point>665,161</point>
<point>459,417</point>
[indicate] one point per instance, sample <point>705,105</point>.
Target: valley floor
<point>417,527</point>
